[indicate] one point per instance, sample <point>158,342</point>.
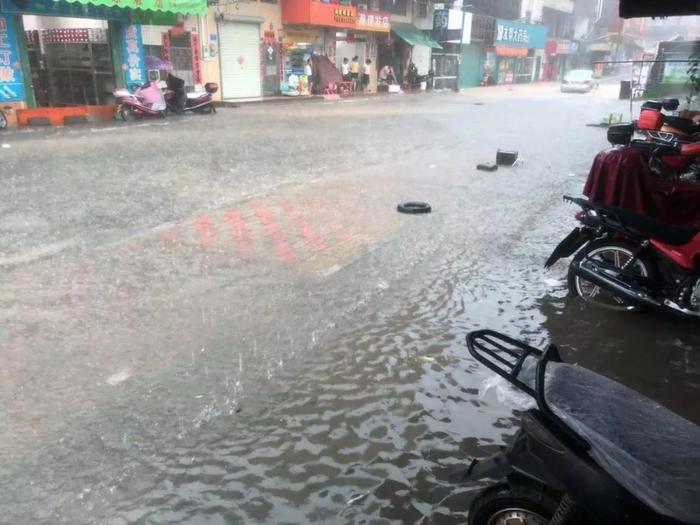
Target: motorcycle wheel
<point>499,505</point>
<point>3,120</point>
<point>614,253</point>
<point>126,114</point>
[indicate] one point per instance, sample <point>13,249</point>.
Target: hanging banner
<point>196,58</point>
<point>11,84</point>
<point>134,65</point>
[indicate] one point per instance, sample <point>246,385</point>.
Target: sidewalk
<point>533,87</point>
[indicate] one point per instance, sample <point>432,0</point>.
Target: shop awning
<point>183,7</point>
<point>414,36</point>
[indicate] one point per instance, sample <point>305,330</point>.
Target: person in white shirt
<point>365,74</point>
<point>345,69</point>
<point>308,71</point>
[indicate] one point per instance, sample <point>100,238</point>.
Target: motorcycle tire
<point>3,120</point>
<point>500,505</point>
<point>126,114</point>
<point>598,246</point>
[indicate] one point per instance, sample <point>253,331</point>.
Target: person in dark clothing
<point>177,85</point>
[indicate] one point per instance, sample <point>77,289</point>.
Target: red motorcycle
<point>682,161</point>
<point>625,260</point>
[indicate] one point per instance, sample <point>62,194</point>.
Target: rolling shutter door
<point>240,59</point>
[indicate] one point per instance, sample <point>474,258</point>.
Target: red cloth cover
<point>621,177</point>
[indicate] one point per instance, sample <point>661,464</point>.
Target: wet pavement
<point>224,320</point>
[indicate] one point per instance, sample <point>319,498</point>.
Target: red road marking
<point>310,236</point>
<point>339,231</point>
<point>239,229</point>
<point>280,245</point>
<point>169,235</point>
<point>206,234</point>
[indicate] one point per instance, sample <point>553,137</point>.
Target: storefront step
<point>60,116</point>
<point>232,103</point>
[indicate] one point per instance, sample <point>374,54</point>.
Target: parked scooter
<point>625,260</point>
<point>415,80</point>
<point>197,102</point>
<point>590,452</point>
<point>145,101</point>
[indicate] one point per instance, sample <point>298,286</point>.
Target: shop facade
<point>65,59</point>
<point>241,44</point>
<point>408,44</point>
<point>557,53</point>
<point>331,30</point>
<point>518,52</point>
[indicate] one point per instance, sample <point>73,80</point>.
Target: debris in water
<point>119,377</point>
<point>357,499</point>
<point>487,166</point>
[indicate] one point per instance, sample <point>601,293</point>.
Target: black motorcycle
<point>592,452</point>
<point>415,80</point>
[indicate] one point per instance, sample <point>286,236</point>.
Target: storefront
<point>69,57</point>
<point>331,30</point>
<point>452,28</point>
<point>410,45</point>
<point>517,48</point>
<point>557,53</point>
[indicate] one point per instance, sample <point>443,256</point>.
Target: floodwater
<point>334,389</point>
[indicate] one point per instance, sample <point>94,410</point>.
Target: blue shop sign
<point>515,34</point>
<point>134,65</point>
<point>11,84</point>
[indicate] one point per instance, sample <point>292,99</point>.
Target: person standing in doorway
<point>309,71</point>
<point>345,69</point>
<point>355,72</point>
<point>365,74</point>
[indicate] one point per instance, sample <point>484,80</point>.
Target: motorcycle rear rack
<point>502,354</point>
<point>506,356</point>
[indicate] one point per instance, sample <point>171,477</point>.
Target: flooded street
<point>225,320</point>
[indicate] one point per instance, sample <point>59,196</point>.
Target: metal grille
<point>483,28</point>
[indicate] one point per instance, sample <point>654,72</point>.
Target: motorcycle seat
<point>649,450</point>
<point>652,228</point>
<point>684,125</point>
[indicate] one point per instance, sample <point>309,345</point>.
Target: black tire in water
<point>499,505</point>
<point>3,120</point>
<point>414,207</point>
<point>611,252</point>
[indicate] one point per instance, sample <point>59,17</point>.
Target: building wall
<point>534,8</point>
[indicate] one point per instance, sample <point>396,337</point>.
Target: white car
<point>578,81</point>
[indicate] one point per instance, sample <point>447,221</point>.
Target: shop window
<point>395,7</point>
